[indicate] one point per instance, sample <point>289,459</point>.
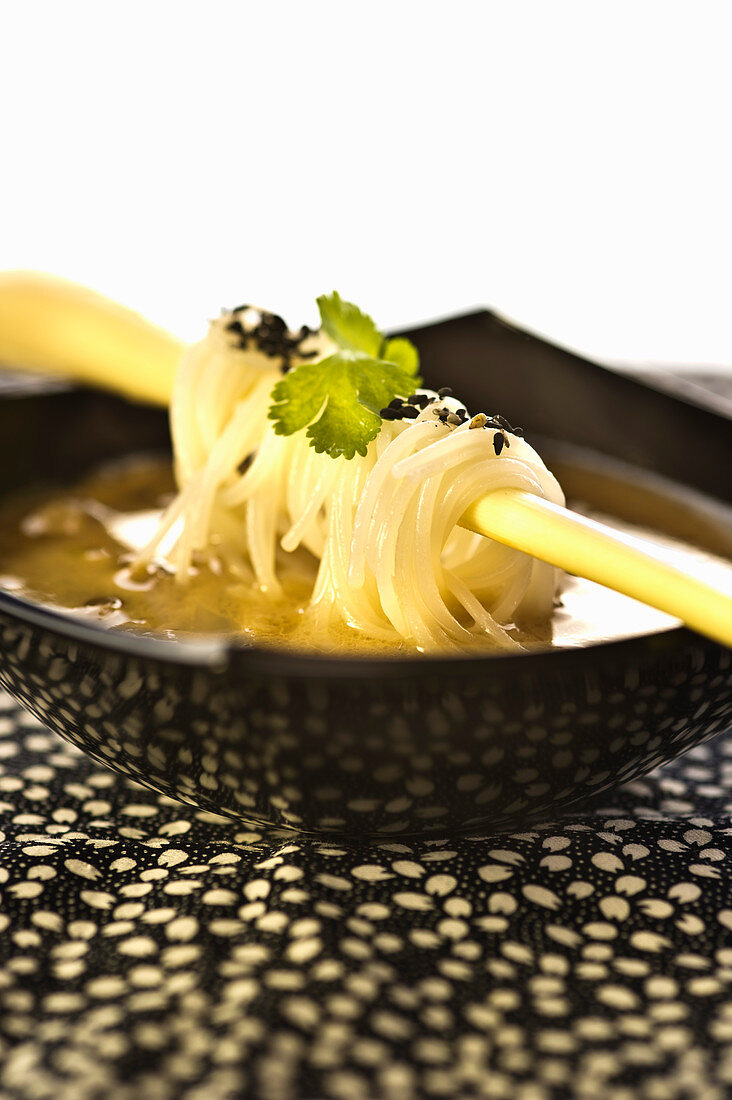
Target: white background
<point>564,162</point>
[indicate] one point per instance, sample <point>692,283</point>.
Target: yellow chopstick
<point>589,549</point>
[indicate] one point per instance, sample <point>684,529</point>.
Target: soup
<point>72,550</point>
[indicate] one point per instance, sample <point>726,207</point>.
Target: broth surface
<point>70,550</point>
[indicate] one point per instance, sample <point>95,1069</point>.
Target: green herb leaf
<point>349,388</point>
<point>348,391</point>
<point>347,326</point>
<point>403,353</point>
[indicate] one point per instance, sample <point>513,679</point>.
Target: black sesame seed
<point>519,432</point>
<point>397,403</point>
<point>388,414</point>
<point>420,399</point>
<point>444,392</point>
<point>454,419</point>
<point>410,413</point>
<point>269,334</point>
<point>498,442</point>
<point>502,422</point>
<point>274,321</point>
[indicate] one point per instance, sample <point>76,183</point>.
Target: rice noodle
<point>391,561</point>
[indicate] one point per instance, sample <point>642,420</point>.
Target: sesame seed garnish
<point>498,442</point>
<point>397,403</point>
<point>267,333</point>
<point>444,392</point>
<point>389,414</point>
<point>454,419</point>
<point>410,413</point>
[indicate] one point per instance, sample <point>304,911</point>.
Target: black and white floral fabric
<point>150,951</point>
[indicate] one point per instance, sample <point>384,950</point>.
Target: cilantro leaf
<point>348,391</point>
<point>403,353</point>
<point>339,398</point>
<point>347,326</point>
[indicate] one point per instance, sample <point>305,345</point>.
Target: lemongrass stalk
<point>57,327</point>
<point>581,546</point>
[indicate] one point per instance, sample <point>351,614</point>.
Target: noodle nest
<point>389,558</point>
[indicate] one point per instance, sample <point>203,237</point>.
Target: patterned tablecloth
<point>152,951</point>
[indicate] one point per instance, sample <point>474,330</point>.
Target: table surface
<point>149,950</point>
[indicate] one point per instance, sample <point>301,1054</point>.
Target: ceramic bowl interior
<point>379,747</point>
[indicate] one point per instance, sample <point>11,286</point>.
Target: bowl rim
<point>220,654</point>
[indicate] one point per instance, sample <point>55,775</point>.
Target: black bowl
<point>381,747</point>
